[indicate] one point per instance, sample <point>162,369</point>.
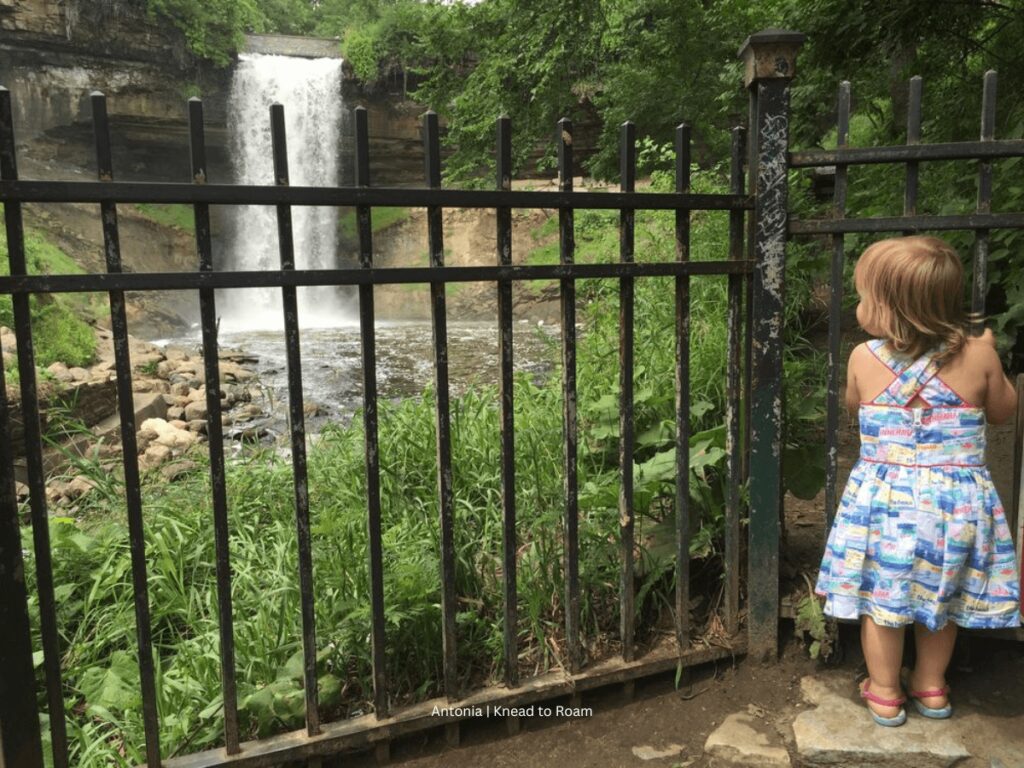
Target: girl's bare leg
<point>883,652</point>
<point>934,651</point>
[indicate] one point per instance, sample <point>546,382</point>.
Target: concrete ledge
<point>293,45</point>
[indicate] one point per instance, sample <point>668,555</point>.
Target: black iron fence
<point>19,715</point>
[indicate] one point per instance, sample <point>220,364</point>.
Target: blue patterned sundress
<point>920,535</point>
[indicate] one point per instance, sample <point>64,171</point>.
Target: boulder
<point>168,435</point>
<point>60,372</point>
<point>154,456</point>
<point>196,411</point>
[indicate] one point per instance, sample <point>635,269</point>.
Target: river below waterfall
<point>332,376</point>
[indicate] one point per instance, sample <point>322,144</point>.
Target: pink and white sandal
<point>890,722</point>
<point>935,713</point>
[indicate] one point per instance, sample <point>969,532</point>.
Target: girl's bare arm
<point>852,394</point>
<point>1000,396</point>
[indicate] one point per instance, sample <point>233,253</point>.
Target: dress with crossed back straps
<point>920,535</point>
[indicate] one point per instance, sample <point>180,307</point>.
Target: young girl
<point>920,536</point>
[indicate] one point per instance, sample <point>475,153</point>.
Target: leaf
<point>294,668</point>
<point>330,690</point>
<point>115,687</point>
<point>803,471</point>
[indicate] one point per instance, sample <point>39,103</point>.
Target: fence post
<point>769,59</point>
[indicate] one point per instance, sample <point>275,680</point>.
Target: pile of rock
<point>170,405</point>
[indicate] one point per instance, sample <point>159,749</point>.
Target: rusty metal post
<point>769,64</point>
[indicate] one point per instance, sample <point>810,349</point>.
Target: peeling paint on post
<point>769,63</point>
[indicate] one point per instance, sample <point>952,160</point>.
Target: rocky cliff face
<point>53,53</point>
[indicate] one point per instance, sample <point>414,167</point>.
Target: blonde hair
<point>912,291</point>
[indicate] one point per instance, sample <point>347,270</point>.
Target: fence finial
<point>770,53</point>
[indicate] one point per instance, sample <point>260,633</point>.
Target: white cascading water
<point>310,90</point>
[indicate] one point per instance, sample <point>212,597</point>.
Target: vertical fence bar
<point>682,382</point>
<point>1016,505</point>
<point>214,430</point>
<point>627,220</point>
<point>748,357</point>
<point>980,267</point>
<point>435,233</point>
<point>368,337</point>
<point>732,394</point>
<point>129,447</point>
<point>913,137</point>
<point>297,423</point>
<point>835,297</point>
<point>770,59</point>
<point>567,249</point>
<point>19,714</point>
<point>508,456</point>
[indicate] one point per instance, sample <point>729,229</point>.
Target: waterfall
<point>310,90</point>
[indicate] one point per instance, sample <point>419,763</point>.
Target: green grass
<point>175,215</point>
<point>380,219</point>
<point>60,323</point>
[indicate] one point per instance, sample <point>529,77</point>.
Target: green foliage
<point>213,28</point>
<point>60,330</point>
<point>659,62</point>
<point>288,17</point>
<point>390,42</point>
<point>811,620</point>
<point>61,336</point>
<point>950,45</point>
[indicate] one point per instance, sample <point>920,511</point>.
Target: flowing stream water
<point>332,375</point>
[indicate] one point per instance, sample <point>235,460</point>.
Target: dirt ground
<point>665,727</point>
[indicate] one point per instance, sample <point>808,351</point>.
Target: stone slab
<point>839,732</point>
<point>744,740</point>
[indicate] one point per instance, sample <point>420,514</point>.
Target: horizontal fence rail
<point>958,150</point>
<point>975,221</point>
<point>180,281</point>
<point>227,194</point>
<point>740,266</point>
